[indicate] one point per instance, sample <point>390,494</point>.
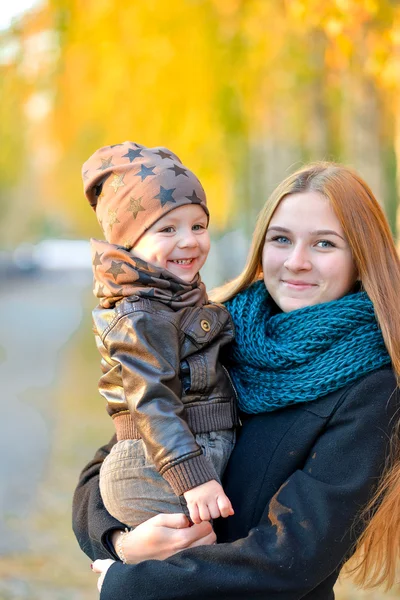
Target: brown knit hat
<point>130,187</point>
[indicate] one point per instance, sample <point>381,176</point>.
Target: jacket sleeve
<point>147,348</point>
<point>305,533</point>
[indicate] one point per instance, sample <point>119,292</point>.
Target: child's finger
<point>225,506</point>
<point>214,509</point>
<point>204,512</point>
<point>194,513</point>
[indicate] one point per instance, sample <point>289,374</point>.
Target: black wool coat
<point>298,477</point>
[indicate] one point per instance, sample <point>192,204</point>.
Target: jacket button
<point>205,325</point>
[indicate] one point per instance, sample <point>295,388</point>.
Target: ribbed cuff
<point>190,473</point>
<point>213,416</point>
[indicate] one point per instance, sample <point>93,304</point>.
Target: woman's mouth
<point>298,285</point>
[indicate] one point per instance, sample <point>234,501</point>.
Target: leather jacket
<point>163,380</point>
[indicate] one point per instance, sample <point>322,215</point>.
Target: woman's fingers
<point>161,536</point>
<point>173,535</point>
<point>102,566</point>
<point>199,535</point>
<point>173,520</point>
<point>206,540</point>
<point>100,581</point>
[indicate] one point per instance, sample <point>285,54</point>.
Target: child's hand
<point>208,501</point>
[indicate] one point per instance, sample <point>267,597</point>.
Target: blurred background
<point>244,91</point>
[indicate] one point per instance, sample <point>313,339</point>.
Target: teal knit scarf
<point>278,359</point>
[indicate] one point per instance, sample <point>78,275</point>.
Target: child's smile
<point>178,242</point>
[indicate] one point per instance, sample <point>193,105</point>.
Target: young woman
<point>316,363</point>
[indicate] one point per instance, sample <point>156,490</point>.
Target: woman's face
<point>306,258</point>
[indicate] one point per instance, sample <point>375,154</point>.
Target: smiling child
<point>159,337</point>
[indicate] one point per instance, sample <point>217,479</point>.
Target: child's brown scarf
<point>119,274</point>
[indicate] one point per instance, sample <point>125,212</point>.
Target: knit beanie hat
<point>130,187</point>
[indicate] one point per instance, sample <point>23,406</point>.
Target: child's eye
<point>325,244</point>
<point>167,230</point>
<point>198,227</point>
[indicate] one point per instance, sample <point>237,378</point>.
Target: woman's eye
<point>281,239</point>
<point>325,244</point>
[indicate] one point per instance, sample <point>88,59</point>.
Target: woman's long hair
<point>378,266</point>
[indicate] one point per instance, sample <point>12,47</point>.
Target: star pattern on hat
<point>178,170</point>
<point>132,154</point>
<point>134,206</point>
<point>165,196</point>
<point>145,172</point>
<point>97,259</point>
<point>100,291</point>
<point>116,269</point>
<point>164,154</point>
<point>194,198</point>
<point>106,163</point>
<point>117,182</point>
<point>85,174</point>
<point>112,217</point>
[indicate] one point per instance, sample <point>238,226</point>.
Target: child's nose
<point>188,240</point>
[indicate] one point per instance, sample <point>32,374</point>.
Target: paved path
<point>37,317</point>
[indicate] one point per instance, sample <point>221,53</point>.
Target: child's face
<point>178,242</point>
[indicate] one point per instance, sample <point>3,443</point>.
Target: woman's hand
<point>162,536</point>
<point>101,566</point>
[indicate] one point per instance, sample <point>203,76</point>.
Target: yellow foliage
<point>210,79</point>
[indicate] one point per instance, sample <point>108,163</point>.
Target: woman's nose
<point>298,260</point>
